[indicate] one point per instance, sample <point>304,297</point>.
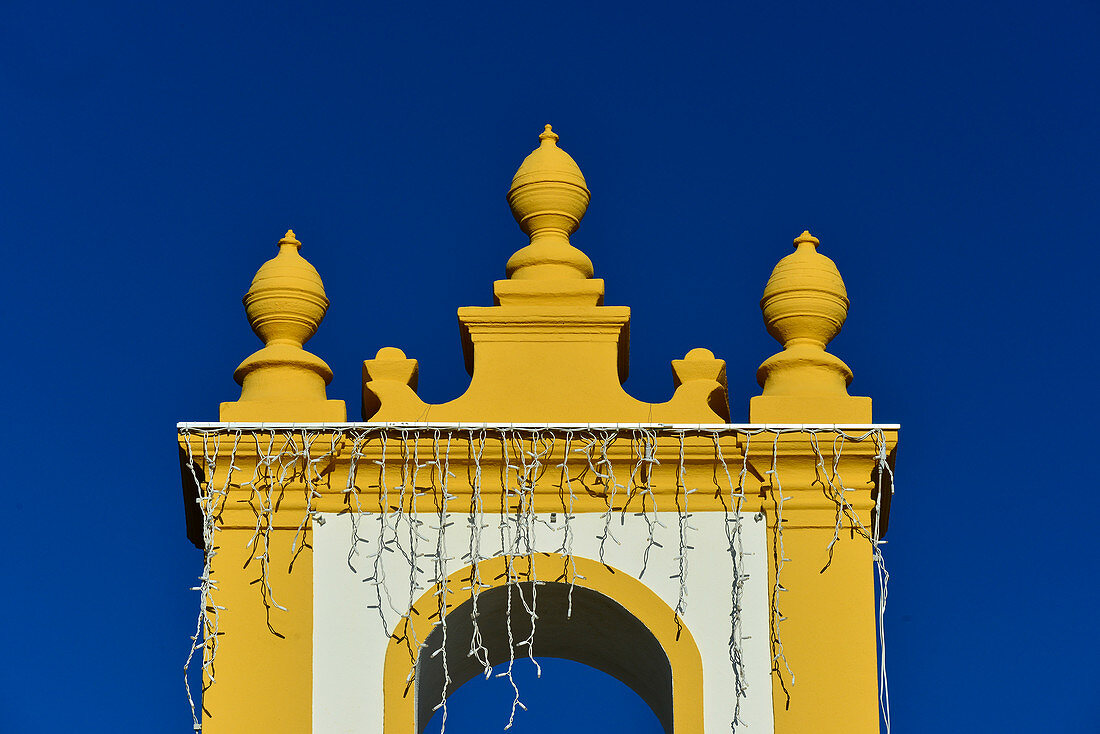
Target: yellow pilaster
<point>263,671</point>
<point>828,636</point>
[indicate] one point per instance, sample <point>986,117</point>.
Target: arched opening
<point>598,633</point>
<point>618,626</point>
<point>569,697</point>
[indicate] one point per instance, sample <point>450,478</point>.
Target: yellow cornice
<point>801,472</point>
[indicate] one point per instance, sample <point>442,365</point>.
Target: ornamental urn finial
<point>805,300</point>
<point>282,381</point>
<point>548,198</point>
<point>805,305</point>
<point>287,300</point>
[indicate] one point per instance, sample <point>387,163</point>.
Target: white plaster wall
<point>349,643</point>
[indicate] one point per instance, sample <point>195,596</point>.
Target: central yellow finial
<point>549,197</point>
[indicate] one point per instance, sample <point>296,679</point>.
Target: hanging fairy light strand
<point>735,547</point>
<point>569,499</point>
<point>644,444</point>
<point>443,476</point>
<point>475,557</point>
<point>298,459</point>
<point>210,501</point>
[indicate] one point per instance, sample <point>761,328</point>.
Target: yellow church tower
<point>356,574</point>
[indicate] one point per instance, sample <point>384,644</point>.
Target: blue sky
<point>945,153</point>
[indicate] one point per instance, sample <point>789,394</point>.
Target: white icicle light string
<point>285,456</point>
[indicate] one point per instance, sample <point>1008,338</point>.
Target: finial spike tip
<point>290,239</point>
<point>806,237</point>
<point>548,136</point>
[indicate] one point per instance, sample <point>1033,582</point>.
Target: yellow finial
<point>805,305</point>
<point>285,305</point>
<point>287,299</point>
<point>805,300</point>
<point>548,198</point>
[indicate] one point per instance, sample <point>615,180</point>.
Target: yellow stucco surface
<point>263,671</point>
